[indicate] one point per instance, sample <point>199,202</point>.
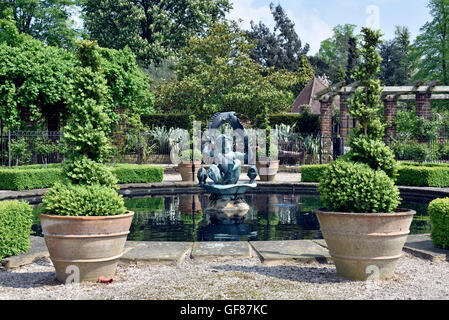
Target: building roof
<point>306,96</point>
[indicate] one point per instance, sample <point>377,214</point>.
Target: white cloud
<point>309,26</point>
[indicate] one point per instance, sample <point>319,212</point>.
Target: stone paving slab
<point>155,252</point>
<point>221,250</point>
<point>38,250</point>
<point>274,252</point>
<point>420,245</point>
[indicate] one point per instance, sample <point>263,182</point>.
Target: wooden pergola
<point>420,92</point>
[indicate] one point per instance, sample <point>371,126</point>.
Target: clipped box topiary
<point>363,229</point>
<point>85,223</point>
<point>439,217</point>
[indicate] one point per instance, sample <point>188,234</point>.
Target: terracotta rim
<point>396,213</point>
<point>119,216</point>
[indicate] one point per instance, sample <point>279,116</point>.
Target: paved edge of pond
<point>175,187</point>
<point>269,252</point>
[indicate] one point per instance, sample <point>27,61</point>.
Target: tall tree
<point>215,73</point>
<point>431,48</point>
<point>304,74</point>
<point>153,29</point>
<point>280,48</point>
<point>396,66</point>
<point>46,20</point>
<point>338,53</point>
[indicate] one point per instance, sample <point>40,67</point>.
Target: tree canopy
<point>153,29</point>
<point>216,74</point>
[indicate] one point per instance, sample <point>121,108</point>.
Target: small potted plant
<point>189,165</point>
<point>361,224</point>
<point>85,223</point>
<point>267,163</point>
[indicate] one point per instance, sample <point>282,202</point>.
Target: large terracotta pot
<point>185,169</point>
<point>365,246</point>
<point>267,169</point>
<point>92,244</point>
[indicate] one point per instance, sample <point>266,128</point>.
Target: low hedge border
<point>16,218</point>
<point>409,174</point>
<point>38,178</point>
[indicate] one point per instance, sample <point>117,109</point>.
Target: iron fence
<point>420,150</point>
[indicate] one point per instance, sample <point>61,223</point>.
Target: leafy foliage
<point>216,74</point>
<point>439,217</point>
<point>282,48</point>
<point>15,227</point>
<point>355,187</point>
<point>152,29</point>
<point>82,200</point>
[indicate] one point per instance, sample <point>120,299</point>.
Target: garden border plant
<point>85,207</point>
<point>364,230</point>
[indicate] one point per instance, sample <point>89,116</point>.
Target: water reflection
<point>269,217</point>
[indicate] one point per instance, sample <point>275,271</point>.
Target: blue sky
<point>314,19</point>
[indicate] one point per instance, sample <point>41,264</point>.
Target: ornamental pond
<point>271,216</point>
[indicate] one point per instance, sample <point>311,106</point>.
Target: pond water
<point>270,217</point>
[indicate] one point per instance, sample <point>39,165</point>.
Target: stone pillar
<point>390,112</point>
<point>326,130</point>
<point>346,121</point>
<point>423,105</point>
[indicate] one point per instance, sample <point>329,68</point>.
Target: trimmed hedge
<point>176,120</point>
<point>37,178</point>
<point>26,179</point>
<point>409,175</point>
<point>132,173</point>
<point>306,123</point>
<point>16,219</point>
<point>439,218</point>
<point>312,173</point>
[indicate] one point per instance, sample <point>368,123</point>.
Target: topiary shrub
<point>16,219</point>
<point>83,200</point>
<point>439,218</point>
<point>91,189</point>
<point>361,181</point>
<point>355,187</point>
<point>374,153</point>
<point>312,172</point>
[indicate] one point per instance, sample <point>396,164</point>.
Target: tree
<point>216,74</point>
<point>153,29</point>
<point>282,48</point>
<point>46,20</point>
<point>338,53</point>
<point>304,74</point>
<point>36,81</point>
<point>431,47</point>
<point>395,66</point>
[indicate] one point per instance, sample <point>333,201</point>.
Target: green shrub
<point>177,120</point>
<point>411,151</point>
<point>439,217</point>
<point>186,155</point>
<point>423,176</point>
<point>82,170</point>
<point>26,179</point>
<point>306,122</point>
<point>273,153</point>
<point>133,173</point>
<point>16,219</point>
<point>355,187</point>
<point>82,200</point>
<point>312,173</point>
<point>374,153</point>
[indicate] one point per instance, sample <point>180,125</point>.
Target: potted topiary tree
<point>190,161</point>
<point>364,230</point>
<point>85,223</point>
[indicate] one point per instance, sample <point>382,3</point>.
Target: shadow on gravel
<point>293,273</point>
<point>14,279</point>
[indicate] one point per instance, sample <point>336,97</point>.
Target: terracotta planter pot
<point>92,244</point>
<point>185,169</point>
<point>267,169</point>
<point>365,246</point>
<point>186,202</point>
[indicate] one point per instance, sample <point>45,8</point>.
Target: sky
<point>315,19</point>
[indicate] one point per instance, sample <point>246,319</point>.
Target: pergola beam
<point>387,90</point>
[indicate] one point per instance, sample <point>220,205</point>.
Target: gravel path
<point>237,279</point>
